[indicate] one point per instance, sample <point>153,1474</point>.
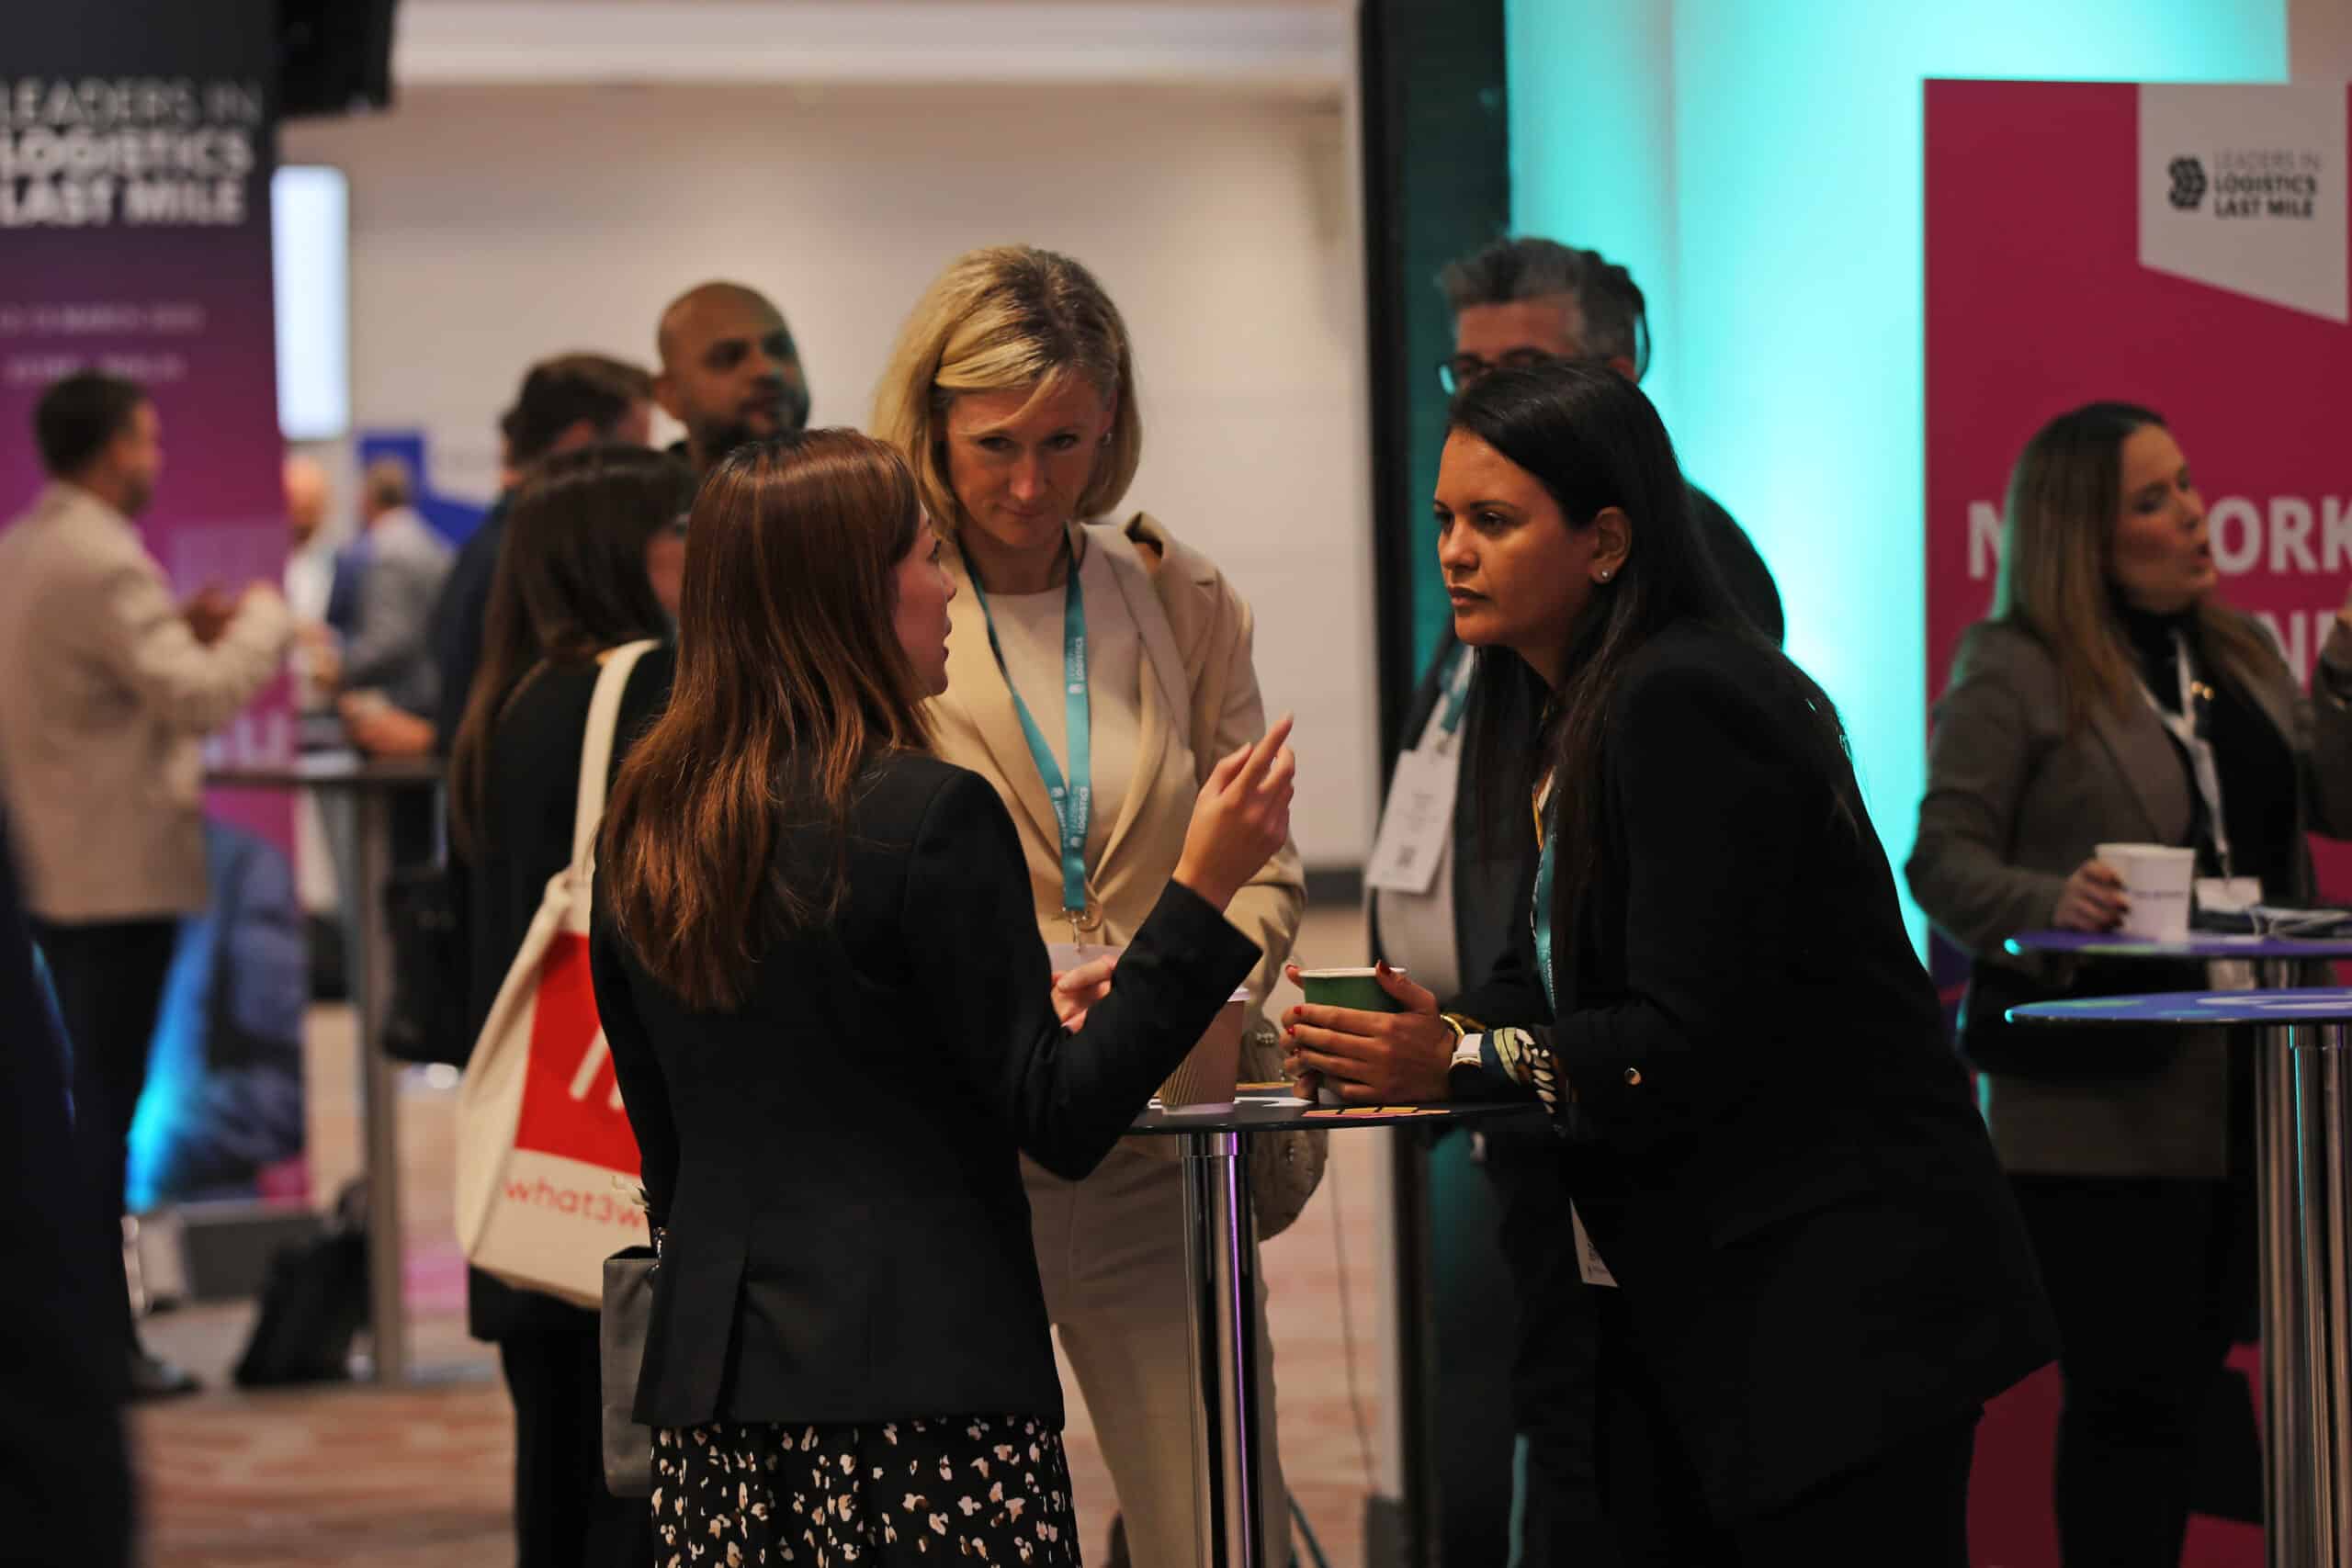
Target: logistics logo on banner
<point>2243,188</point>
<point>2188,184</point>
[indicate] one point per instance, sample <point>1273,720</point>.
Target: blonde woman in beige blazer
<point>1012,394</point>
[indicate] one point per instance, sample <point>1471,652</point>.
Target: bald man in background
<point>731,372</point>
<point>310,561</point>
<point>312,568</point>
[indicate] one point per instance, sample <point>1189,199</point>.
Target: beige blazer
<point>2016,801</point>
<point>1199,701</point>
<point>105,697</point>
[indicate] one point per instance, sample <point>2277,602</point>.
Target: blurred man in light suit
<point>107,686</point>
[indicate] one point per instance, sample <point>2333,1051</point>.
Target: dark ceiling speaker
<point>334,56</point>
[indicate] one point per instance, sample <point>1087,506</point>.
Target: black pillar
<point>1437,184</point>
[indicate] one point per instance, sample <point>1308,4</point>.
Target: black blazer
<point>1483,922</point>
<point>836,1162</point>
<point>65,1474</point>
<point>1772,1145</point>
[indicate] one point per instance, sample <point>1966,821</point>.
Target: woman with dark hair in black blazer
<point>1819,1274</point>
<point>571,586</point>
<point>819,966</point>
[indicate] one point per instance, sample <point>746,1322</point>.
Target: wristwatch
<point>1504,1052</point>
<point>1465,1074</point>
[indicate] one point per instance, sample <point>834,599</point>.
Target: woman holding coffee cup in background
<point>830,1017</point>
<point>2112,710</point>
<point>1814,1274</point>
<point>1099,668</point>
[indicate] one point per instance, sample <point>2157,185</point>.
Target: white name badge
<point>1588,1263</point>
<point>2228,895</point>
<point>1416,822</point>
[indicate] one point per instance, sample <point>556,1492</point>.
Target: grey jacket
<point>2016,802</point>
<point>105,699</point>
<point>391,645</point>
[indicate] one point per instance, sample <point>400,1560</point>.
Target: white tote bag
<point>545,1152</point>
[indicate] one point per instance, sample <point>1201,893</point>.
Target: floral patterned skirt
<point>986,1489</point>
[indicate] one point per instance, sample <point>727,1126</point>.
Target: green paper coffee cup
<point>1357,988</point>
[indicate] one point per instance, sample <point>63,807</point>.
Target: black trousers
<point>1555,1355</point>
<point>1908,1505</point>
<point>109,977</point>
<point>2147,1278</point>
<point>564,1515</point>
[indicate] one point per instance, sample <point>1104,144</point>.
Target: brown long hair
<point>2057,531</point>
<point>790,680</point>
<point>570,583</point>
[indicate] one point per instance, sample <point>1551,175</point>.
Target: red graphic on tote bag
<point>571,1103</point>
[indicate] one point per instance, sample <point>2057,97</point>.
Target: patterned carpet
<point>419,1477</point>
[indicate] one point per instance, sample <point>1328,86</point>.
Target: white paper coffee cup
<point>1207,1078</point>
<point>2158,880</point>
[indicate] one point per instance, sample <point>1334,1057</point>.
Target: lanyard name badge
<point>1542,915</point>
<point>1417,821</point>
<point>1072,798</point>
<point>2227,891</point>
<point>1590,1265</point>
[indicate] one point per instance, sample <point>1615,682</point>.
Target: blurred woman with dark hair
<point>2112,696</point>
<point>570,587</point>
<point>830,1011</point>
<point>1817,1274</point>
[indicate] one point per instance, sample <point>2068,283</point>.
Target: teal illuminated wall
<point>1757,163</point>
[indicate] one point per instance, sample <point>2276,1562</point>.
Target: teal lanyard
<point>1458,689</point>
<point>1073,802</point>
<point>1544,915</point>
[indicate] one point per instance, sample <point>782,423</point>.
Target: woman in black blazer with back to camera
<point>1820,1276</point>
<point>831,1013</point>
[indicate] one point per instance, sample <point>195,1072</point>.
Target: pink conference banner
<point>2180,247</point>
<point>2184,248</point>
<point>137,140</point>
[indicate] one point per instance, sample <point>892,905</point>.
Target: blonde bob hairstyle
<point>1008,318</point>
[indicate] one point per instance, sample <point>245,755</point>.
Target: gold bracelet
<point>1460,1025</point>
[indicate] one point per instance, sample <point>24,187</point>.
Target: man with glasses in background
<point>1521,302</point>
<point>1527,301</point>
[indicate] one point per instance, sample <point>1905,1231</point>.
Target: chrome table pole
<point>1221,1271</point>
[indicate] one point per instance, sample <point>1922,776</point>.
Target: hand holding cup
<point>2093,899</point>
<point>1371,1058</point>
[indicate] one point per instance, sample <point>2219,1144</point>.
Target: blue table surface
<point>2201,944</point>
<point>1258,1111</point>
<point>2274,1009</point>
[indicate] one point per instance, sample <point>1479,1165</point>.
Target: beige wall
<point>2319,41</point>
<point>492,225</point>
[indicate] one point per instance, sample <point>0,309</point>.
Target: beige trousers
<point>1110,1252</point>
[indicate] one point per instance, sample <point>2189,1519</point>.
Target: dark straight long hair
<point>570,583</point>
<point>791,681</point>
<point>1593,441</point>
